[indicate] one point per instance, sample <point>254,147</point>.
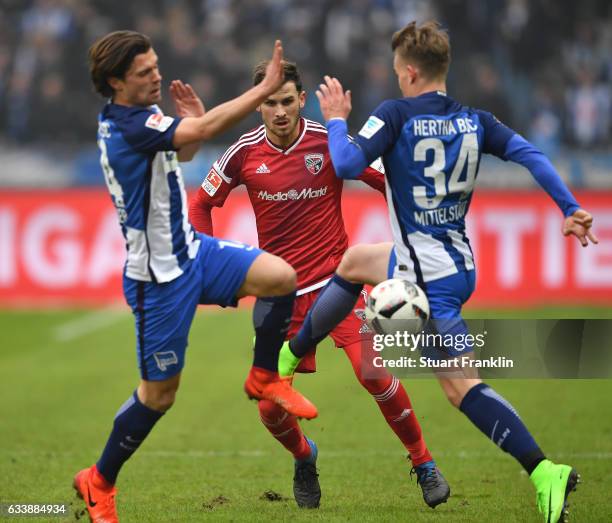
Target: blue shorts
<point>446,297</point>
<point>164,311</point>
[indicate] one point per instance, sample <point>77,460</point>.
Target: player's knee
<point>456,389</point>
<point>454,396</point>
<point>162,402</point>
<point>351,264</point>
<point>288,280</point>
<point>454,393</point>
<point>159,398</point>
<point>269,276</point>
<point>284,279</point>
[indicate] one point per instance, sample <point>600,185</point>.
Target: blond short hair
<point>426,46</point>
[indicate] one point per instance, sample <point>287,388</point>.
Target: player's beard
<point>283,132</point>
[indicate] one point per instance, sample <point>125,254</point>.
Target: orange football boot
<point>99,500</point>
<point>262,384</point>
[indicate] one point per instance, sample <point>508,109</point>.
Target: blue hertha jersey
<point>431,148</point>
<point>143,176</point>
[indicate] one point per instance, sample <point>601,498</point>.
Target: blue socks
<point>271,319</point>
<point>428,465</point>
<point>332,305</point>
<point>133,422</point>
<point>498,420</point>
<point>314,452</point>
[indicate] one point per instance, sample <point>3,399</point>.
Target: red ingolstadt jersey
<point>295,194</point>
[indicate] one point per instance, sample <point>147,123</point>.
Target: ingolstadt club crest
<point>314,162</point>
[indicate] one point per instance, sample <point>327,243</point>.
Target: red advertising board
<point>65,247</point>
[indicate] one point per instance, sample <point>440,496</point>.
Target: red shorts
<point>347,332</point>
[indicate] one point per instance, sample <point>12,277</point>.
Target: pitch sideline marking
<point>98,319</point>
<point>88,323</point>
<point>349,454</point>
<point>258,453</point>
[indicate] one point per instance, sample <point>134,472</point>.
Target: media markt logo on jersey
<point>314,162</point>
<point>307,193</point>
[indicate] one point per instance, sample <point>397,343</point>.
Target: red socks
<point>395,406</point>
<point>390,396</point>
<point>285,428</point>
<point>397,410</point>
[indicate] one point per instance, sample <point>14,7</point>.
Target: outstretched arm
<point>347,157</point>
<point>220,118</point>
<point>577,221</point>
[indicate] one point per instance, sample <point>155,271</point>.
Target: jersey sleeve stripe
<point>220,172</point>
<point>313,122</point>
<point>236,147</point>
<point>315,126</point>
<point>241,140</point>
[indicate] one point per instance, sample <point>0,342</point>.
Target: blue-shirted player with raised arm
<point>431,147</point>
<point>169,268</point>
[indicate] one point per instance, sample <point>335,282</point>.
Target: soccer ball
<point>397,305</point>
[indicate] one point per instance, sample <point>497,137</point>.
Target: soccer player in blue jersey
<point>170,268</point>
<point>431,147</point>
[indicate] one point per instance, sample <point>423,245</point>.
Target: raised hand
<point>579,224</point>
<point>335,103</point>
<point>186,101</point>
<point>273,80</point>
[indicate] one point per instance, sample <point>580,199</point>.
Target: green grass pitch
<point>65,373</point>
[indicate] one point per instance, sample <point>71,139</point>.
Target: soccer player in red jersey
<point>295,193</point>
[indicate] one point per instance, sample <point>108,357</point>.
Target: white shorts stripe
<point>312,287</point>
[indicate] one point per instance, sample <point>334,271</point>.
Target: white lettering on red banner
<point>67,247</point>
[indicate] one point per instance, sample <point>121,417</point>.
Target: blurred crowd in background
<point>542,66</point>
